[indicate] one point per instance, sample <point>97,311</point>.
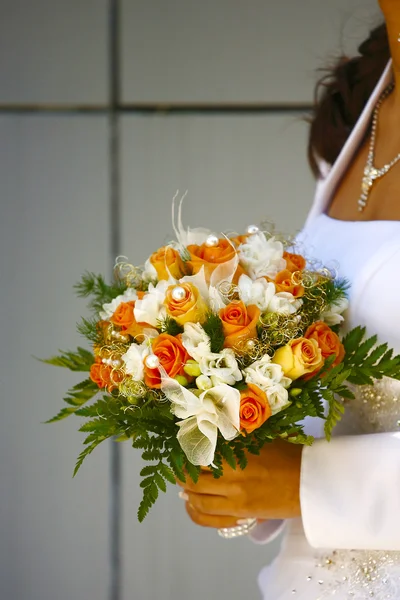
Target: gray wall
<point>55,209</point>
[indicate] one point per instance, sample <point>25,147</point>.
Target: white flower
<point>259,292</point>
<point>270,378</point>
<point>133,360</point>
<point>265,374</point>
<point>216,409</point>
<point>284,303</point>
<point>195,341</point>
<point>221,368</point>
<point>109,308</point>
<point>149,272</point>
<point>150,309</point>
<point>333,316</point>
<point>204,383</point>
<point>261,257</point>
<point>278,398</point>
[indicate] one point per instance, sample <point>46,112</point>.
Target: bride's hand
<point>269,488</point>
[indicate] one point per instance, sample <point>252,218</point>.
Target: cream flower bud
<point>192,368</point>
<point>204,383</point>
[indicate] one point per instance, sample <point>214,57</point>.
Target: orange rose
<point>294,262</point>
<point>284,283</point>
<point>172,356</point>
<point>254,408</point>
<point>191,308</point>
<point>299,357</point>
<point>167,261</point>
<point>239,323</point>
<point>211,257</point>
<point>104,375</point>
<point>239,239</point>
<point>124,318</point>
<point>327,340</point>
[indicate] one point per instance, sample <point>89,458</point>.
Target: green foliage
<point>170,326</point>
<point>192,470</point>
<point>336,290</point>
<point>367,361</point>
<point>228,455</point>
<point>153,482</point>
<point>88,328</point>
<point>335,412</point>
<point>76,397</point>
<point>95,286</point>
<point>214,330</point>
<point>80,360</point>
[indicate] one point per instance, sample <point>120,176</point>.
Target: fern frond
<point>81,360</point>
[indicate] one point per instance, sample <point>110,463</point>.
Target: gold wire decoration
<point>127,273</point>
<point>228,291</point>
<point>132,390</point>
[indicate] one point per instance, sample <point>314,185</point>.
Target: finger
<point>207,484</point>
<point>211,505</point>
<point>215,521</point>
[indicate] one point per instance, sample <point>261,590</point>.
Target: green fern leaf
<point>63,414</point>
<point>148,470</point>
<point>228,454</point>
<point>167,473</point>
<point>160,482</point>
<point>81,360</point>
<point>193,471</point>
<point>85,452</point>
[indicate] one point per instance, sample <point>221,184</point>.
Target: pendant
<point>370,174</point>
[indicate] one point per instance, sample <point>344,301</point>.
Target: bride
<point>339,501</point>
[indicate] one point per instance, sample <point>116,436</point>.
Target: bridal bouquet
<point>216,346</point>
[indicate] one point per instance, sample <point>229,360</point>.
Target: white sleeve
<point>266,531</point>
<point>350,492</point>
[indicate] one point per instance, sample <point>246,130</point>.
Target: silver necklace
<point>371,173</point>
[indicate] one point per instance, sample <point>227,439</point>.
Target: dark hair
<point>341,95</point>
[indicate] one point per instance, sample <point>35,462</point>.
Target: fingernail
<point>243,521</point>
<point>183,496</point>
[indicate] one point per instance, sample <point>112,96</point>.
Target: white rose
<point>221,368</point>
<point>261,257</point>
<point>278,398</point>
<point>151,309</point>
<point>195,341</point>
<point>266,374</point>
<point>109,308</point>
<point>133,360</point>
<point>284,303</point>
<point>333,316</point>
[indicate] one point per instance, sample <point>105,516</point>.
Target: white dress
<point>347,543</point>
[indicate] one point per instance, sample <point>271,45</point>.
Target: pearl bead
<point>178,293</point>
<point>212,240</point>
<point>116,363</point>
<point>252,229</point>
<point>152,361</point>
<point>104,361</point>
